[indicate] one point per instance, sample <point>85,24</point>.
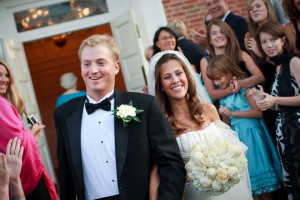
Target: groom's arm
<point>166,155</point>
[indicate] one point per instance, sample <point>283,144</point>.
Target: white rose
<point>211,173</point>
<point>232,172</point>
<point>190,167</point>
<point>223,165</point>
<point>209,162</point>
<point>198,157</point>
<point>197,148</point>
<point>236,151</point>
<point>216,185</point>
<point>126,110</point>
<point>222,175</point>
<point>205,182</point>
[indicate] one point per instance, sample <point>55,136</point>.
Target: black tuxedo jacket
<point>192,51</point>
<point>240,27</point>
<point>138,146</point>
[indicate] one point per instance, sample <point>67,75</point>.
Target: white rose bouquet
<point>127,113</point>
<point>215,166</point>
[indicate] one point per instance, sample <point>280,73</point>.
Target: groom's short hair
<point>103,40</point>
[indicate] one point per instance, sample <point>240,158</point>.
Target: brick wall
<point>192,12</point>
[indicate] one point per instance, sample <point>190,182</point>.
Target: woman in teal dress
<point>69,82</point>
<point>240,111</point>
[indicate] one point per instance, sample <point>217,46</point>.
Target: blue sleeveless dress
<point>263,161</point>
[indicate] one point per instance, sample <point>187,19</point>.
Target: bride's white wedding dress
<point>242,190</point>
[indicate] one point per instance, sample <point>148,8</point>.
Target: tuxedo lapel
<point>229,18</point>
<point>74,129</point>
<point>121,135</point>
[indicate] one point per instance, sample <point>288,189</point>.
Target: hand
<point>199,36</point>
<point>14,153</point>
<point>251,45</point>
<point>266,103</point>
<point>246,39</point>
<point>36,130</point>
<point>224,111</point>
<point>180,50</point>
<point>256,94</point>
<point>4,174</point>
<point>234,85</point>
<point>145,89</point>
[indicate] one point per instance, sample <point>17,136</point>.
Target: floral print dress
<point>288,128</point>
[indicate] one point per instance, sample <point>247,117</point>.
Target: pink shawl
<point>11,125</point>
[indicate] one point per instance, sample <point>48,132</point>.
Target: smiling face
<point>217,8</point>
<point>4,80</point>
<point>173,80</point>
<point>217,37</point>
<point>222,82</point>
<point>98,70</point>
<point>259,12</point>
<point>166,41</point>
<point>270,45</point>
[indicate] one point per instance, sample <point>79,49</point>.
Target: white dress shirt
<point>98,152</point>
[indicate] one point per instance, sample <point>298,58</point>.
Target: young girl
<point>222,40</point>
<point>240,111</point>
<point>285,99</point>
<point>259,12</point>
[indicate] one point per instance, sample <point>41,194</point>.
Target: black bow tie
<point>104,105</point>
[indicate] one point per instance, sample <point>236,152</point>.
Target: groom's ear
<point>117,67</point>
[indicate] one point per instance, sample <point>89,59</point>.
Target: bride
<point>188,110</point>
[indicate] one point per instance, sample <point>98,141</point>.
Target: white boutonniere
<point>127,113</point>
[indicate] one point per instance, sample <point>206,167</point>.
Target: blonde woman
<point>36,182</point>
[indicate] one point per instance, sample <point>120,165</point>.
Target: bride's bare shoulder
<point>210,112</point>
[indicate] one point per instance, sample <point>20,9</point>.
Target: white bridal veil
<point>203,96</point>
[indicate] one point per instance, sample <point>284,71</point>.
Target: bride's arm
<point>154,182</point>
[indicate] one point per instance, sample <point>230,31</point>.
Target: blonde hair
<point>179,28</point>
<point>271,15</point>
<point>103,40</point>
<point>12,94</point>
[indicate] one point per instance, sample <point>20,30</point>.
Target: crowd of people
<point>235,79</point>
<point>243,73</point>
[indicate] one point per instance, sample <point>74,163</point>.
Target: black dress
<point>288,126</point>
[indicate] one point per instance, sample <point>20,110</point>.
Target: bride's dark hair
<point>193,101</point>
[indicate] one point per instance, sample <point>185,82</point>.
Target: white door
<point>14,55</point>
<point>126,32</point>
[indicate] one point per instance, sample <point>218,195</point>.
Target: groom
<point>98,156</point>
